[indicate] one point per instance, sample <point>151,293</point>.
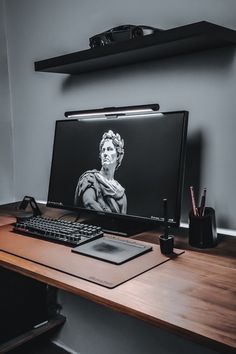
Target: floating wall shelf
<point>181,40</point>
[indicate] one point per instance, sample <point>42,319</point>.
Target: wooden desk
<point>193,295</point>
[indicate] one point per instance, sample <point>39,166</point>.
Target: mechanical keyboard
<point>66,232</point>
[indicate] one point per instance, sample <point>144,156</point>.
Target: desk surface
<point>192,295</point>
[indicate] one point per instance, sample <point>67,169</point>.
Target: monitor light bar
<point>110,111</point>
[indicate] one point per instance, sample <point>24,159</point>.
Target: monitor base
<point>119,227</point>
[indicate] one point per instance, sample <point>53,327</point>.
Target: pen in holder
<point>166,240</point>
<point>202,229</point>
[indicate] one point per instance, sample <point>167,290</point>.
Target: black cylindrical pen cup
<point>166,244</point>
<point>202,229</point>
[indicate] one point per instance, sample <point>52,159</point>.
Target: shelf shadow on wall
<point>194,153</point>
<point>101,76</point>
<point>205,61</point>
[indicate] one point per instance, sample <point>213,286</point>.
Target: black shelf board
<point>52,324</point>
<point>180,40</point>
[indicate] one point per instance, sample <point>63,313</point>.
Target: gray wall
<point>203,83</point>
<point>93,329</point>
<point>6,141</point>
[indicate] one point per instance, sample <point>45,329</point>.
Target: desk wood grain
<point>193,295</point>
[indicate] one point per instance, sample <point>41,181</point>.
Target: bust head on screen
<point>98,190</point>
<point>111,150</point>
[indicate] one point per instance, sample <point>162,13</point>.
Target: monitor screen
<point>120,167</point>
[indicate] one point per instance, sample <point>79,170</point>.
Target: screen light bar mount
<point>113,111</point>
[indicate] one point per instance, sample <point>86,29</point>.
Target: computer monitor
<point>120,167</point>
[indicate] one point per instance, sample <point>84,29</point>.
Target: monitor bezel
<point>129,217</point>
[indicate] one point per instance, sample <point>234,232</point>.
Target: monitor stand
<point>118,226</point>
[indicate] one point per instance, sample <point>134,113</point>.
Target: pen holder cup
<point>202,229</point>
<point>166,244</point>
